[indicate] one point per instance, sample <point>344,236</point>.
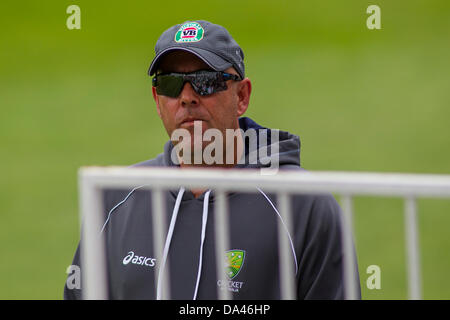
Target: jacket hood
<point>274,148</point>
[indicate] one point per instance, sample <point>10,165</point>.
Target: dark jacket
<point>253,269</point>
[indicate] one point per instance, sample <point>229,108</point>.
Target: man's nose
<point>188,96</point>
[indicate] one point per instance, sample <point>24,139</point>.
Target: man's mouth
<point>190,122</point>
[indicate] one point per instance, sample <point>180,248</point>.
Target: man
<point>200,90</point>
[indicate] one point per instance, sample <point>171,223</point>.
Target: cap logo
<point>189,32</point>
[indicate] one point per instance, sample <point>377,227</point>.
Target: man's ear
<point>244,90</point>
<point>155,97</point>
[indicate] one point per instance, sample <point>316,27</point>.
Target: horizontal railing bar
<point>375,184</point>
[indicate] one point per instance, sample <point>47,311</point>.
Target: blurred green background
<point>360,99</point>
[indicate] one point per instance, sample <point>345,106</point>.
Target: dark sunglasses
<point>204,82</point>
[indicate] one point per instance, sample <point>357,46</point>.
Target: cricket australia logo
<point>190,32</point>
<point>234,260</point>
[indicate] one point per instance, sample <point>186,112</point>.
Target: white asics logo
<point>139,260</point>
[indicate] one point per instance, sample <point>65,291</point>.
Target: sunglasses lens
<point>169,85</point>
<point>206,83</point>
<point>203,82</point>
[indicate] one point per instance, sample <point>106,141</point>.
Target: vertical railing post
<point>286,260</point>
<point>93,254</point>
<point>162,274</point>
<point>221,233</point>
<point>350,284</point>
<point>412,245</point>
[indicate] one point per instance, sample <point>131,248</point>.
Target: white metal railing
<point>284,183</point>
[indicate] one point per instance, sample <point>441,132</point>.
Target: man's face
<point>219,110</point>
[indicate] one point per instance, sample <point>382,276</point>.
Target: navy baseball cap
<point>210,42</point>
